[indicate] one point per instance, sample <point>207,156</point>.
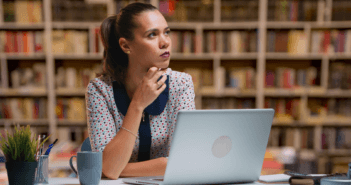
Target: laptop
<point>215,147</point>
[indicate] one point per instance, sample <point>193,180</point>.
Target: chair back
<point>86,145</point>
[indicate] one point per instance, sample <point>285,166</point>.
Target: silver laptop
<point>215,147</point>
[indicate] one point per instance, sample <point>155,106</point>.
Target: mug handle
<point>72,167</point>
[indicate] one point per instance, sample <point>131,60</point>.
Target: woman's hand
<point>149,89</point>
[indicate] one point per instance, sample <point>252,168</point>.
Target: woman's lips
<point>166,55</point>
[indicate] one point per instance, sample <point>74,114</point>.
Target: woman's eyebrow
<point>154,29</point>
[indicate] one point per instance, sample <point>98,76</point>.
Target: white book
<point>28,104</point>
<point>15,108</point>
<point>219,76</point>
<point>315,44</point>
<point>235,42</point>
<point>82,42</point>
<point>39,70</point>
<point>301,43</point>
<point>30,37</point>
<point>71,76</point>
<point>348,42</point>
<point>60,77</point>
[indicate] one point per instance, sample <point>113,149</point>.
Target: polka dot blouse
<point>105,119</point>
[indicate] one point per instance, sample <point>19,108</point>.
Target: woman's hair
<point>112,29</point>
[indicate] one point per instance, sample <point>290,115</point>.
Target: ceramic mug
<point>89,165</point>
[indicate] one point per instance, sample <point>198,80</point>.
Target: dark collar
<point>122,100</point>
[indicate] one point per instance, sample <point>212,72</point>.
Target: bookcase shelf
<point>75,25</point>
<point>71,122</point>
<point>70,56</point>
<point>70,92</point>
<point>22,26</point>
<point>256,58</point>
<point>35,122</point>
<point>23,92</point>
<point>23,56</point>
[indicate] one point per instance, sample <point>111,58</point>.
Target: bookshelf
<point>234,51</point>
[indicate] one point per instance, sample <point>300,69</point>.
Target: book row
<point>76,78</point>
<point>72,109</point>
<point>23,11</point>
<point>290,10</point>
<point>336,138</point>
<point>69,41</point>
<point>184,42</point>
<point>34,77</point>
<point>322,41</point>
<point>230,41</point>
<point>332,138</point>
<point>280,137</point>
<point>23,108</point>
<point>293,42</point>
<point>284,77</point>
<point>78,11</point>
<point>285,108</point>
<point>331,41</point>
<point>329,107</point>
<point>227,103</point>
<point>22,42</point>
<point>339,76</point>
<point>66,77</point>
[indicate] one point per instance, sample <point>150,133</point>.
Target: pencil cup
<point>42,173</point>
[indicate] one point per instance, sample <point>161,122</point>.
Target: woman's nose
<point>164,42</point>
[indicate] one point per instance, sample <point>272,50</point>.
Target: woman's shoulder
<point>178,77</point>
<point>101,84</point>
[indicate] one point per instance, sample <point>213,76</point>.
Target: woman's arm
<point>118,151</point>
<point>153,167</point>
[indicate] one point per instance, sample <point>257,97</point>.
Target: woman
<point>132,108</point>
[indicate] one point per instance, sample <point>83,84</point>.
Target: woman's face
<point>151,41</point>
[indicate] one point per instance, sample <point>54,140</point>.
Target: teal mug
<point>89,165</point>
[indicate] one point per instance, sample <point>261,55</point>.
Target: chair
<point>86,145</point>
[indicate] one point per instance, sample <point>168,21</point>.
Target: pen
<point>38,144</point>
<point>49,148</point>
<point>42,147</point>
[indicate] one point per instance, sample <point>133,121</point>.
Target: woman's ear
<point>123,43</point>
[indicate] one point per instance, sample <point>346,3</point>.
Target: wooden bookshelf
<point>260,60</point>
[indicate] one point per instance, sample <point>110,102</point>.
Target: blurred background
<point>290,55</point>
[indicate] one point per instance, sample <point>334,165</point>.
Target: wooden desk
<point>75,181</point>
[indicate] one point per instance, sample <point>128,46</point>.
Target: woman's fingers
<point>151,72</point>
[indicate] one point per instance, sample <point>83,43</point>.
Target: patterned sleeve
<point>101,126</point>
<point>186,95</point>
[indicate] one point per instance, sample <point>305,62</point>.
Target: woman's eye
<point>152,34</point>
<point>168,32</point>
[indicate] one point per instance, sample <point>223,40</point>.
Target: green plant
<point>20,146</point>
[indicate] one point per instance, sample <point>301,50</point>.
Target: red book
<point>10,45</point>
<point>288,107</point>
<point>15,42</point>
<point>97,32</point>
<point>25,42</point>
<point>326,41</point>
<point>286,78</point>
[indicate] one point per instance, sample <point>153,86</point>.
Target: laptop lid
<point>217,146</point>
